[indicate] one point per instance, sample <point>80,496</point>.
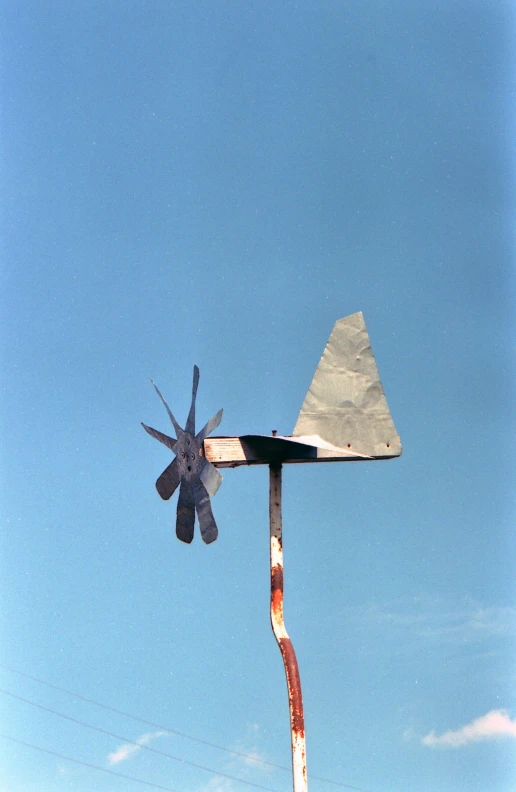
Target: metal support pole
<point>297,721</point>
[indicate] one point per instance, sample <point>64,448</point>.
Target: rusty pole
<point>297,721</point>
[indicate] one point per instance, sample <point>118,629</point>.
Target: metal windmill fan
<point>196,477</point>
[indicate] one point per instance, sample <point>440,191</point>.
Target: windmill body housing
<point>344,417</point>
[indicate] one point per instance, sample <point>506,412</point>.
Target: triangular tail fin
<point>345,404</point>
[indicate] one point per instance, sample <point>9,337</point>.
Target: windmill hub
<point>188,455</point>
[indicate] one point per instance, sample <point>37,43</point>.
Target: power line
<point>86,764</point>
<point>175,731</point>
<point>142,720</point>
<point>134,742</point>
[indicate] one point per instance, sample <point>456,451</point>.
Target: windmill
<point>344,418</point>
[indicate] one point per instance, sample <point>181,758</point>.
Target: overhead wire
<point>135,742</point>
<point>87,764</point>
<point>254,759</point>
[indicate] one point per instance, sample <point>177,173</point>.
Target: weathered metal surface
<point>297,724</point>
<point>196,477</point>
<point>163,438</point>
<point>345,404</point>
<point>169,480</point>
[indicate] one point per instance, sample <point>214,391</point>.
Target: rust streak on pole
<point>297,722</point>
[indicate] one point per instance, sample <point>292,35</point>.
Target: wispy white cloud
<point>493,726</point>
<point>433,620</point>
<point>218,785</point>
<point>125,751</point>
<point>255,759</point>
<point>247,763</point>
<point>251,756</point>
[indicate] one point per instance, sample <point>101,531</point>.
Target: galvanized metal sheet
<point>185,511</point>
<point>209,531</point>
<point>169,480</point>
<point>209,427</point>
<point>169,411</point>
<point>345,404</point>
<point>210,477</point>
<point>190,421</point>
<point>283,448</point>
<point>163,438</point>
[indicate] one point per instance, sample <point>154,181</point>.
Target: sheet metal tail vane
<point>195,476</point>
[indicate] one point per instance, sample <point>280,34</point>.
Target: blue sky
<point>215,183</point>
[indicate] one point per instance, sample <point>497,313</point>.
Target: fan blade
<point>209,530</point>
<point>185,512</point>
<point>190,423</point>
<point>168,482</point>
<point>163,438</point>
<point>210,426</point>
<point>210,477</point>
<point>175,423</point>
